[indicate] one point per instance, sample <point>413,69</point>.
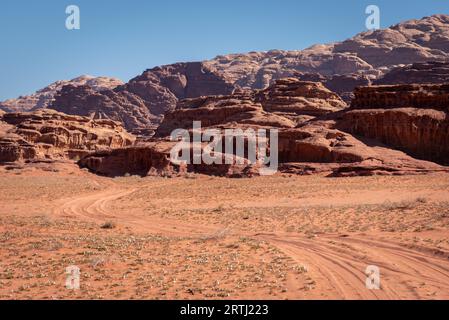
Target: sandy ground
<point>214,238</point>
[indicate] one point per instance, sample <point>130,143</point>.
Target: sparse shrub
<point>108,225</point>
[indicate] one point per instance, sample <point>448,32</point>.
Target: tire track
<point>337,264</point>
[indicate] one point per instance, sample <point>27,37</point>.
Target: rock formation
<point>47,134</point>
<point>162,87</point>
<point>317,147</point>
<point>292,97</point>
<point>412,118</point>
<point>341,67</point>
<point>423,96</point>
<point>369,53</point>
<point>140,103</point>
<point>285,104</point>
<point>325,144</point>
<point>121,106</point>
<point>138,160</point>
<point>428,72</point>
<point>422,133</point>
<point>44,97</point>
<point>153,158</point>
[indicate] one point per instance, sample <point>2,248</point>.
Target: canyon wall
<point>412,118</point>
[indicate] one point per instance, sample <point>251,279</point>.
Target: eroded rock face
<point>315,148</point>
<point>153,158</point>
<point>143,160</point>
<point>290,96</point>
<point>121,106</point>
<point>162,87</point>
<point>319,146</point>
<point>47,134</point>
<point>431,96</point>
<point>140,103</point>
<point>429,72</point>
<point>44,97</point>
<point>327,144</point>
<point>219,112</point>
<point>422,133</point>
<point>283,105</point>
<point>412,118</point>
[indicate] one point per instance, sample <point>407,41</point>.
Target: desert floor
<point>199,237</point>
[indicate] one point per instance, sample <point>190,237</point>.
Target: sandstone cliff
<point>48,134</point>
<point>324,144</point>
<point>412,118</point>
<point>423,96</point>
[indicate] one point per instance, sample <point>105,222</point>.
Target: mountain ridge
<point>340,66</point>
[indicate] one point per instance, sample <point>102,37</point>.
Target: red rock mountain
<point>340,66</point>
<point>44,97</point>
<point>386,131</point>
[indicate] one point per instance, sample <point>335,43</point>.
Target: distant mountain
<point>44,97</point>
<point>341,67</point>
<point>370,53</point>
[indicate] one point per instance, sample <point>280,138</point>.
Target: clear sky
<point>123,38</point>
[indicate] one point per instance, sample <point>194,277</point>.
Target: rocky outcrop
<point>318,147</point>
<point>121,106</point>
<point>339,141</point>
<point>422,133</point>
<point>143,160</point>
<point>290,96</point>
<point>431,96</point>
<point>285,104</point>
<point>44,97</point>
<point>315,148</point>
<point>412,118</point>
<point>220,111</point>
<point>48,134</point>
<point>153,158</point>
<point>428,72</point>
<point>140,104</point>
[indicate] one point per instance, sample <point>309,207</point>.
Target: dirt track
<point>335,262</point>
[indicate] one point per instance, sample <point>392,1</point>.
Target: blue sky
<point>123,38</point>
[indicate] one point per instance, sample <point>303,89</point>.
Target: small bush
<point>108,225</point>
